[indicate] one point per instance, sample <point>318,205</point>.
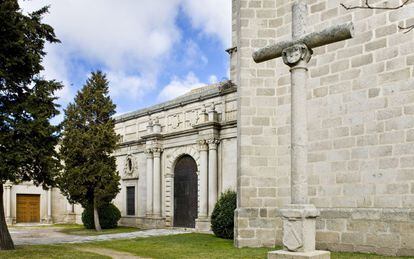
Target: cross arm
<point>312,40</point>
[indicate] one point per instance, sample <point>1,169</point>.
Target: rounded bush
<point>109,216</point>
<point>222,218</point>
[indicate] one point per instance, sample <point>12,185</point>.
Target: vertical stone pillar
<point>150,165</point>
<point>203,213</point>
<point>7,188</point>
<point>212,174</point>
<point>299,217</point>
<point>49,205</point>
<point>157,182</point>
<point>299,75</point>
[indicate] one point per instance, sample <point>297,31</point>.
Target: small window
<point>130,196</point>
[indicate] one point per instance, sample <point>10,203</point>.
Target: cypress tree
<point>90,176</point>
<point>27,103</point>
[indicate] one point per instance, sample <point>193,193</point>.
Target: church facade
<point>175,158</point>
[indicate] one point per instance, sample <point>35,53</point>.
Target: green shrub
<point>222,218</point>
<point>109,216</point>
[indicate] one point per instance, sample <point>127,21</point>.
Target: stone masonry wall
<point>360,128</point>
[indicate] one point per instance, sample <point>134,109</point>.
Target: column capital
<point>157,151</point>
<point>202,145</point>
<point>212,143</point>
<point>148,152</point>
<point>297,55</point>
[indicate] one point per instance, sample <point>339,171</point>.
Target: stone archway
<point>185,192</point>
<point>172,156</point>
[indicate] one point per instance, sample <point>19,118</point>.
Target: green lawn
<point>184,246</point>
<point>178,246</point>
<point>42,252</point>
<point>203,246</point>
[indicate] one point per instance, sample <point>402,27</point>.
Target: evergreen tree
<point>90,177</point>
<point>27,139</point>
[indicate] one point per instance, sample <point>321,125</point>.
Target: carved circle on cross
<point>296,53</point>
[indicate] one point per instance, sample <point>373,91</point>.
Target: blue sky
<point>151,50</point>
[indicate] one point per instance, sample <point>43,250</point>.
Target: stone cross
<point>299,217</point>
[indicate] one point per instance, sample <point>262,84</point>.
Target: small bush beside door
<point>222,218</point>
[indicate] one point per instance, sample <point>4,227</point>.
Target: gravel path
<point>109,252</point>
<point>51,235</point>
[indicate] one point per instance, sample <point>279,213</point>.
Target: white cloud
<point>132,39</point>
<point>213,79</point>
<point>213,17</point>
<point>55,67</point>
<point>116,33</point>
<point>129,86</point>
<point>193,55</point>
<point>179,86</point>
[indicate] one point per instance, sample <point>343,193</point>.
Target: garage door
<point>28,208</point>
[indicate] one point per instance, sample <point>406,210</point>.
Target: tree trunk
<point>6,242</point>
<point>96,218</point>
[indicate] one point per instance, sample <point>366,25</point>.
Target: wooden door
<point>185,192</point>
<point>28,208</point>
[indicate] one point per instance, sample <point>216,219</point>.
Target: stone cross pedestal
<point>299,218</point>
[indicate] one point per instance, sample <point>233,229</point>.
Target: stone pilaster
<point>150,165</point>
<point>203,222</point>
<point>49,218</point>
<point>212,174</point>
<point>8,214</point>
<point>157,182</point>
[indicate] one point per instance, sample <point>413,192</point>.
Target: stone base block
<point>203,225</point>
<point>282,254</point>
<point>299,227</point>
<point>144,223</point>
<point>153,223</point>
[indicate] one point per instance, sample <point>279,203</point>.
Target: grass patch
<point>203,246</point>
<point>80,230</point>
<point>184,246</point>
<point>50,251</point>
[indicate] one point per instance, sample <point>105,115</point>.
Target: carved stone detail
<point>157,151</point>
<point>148,152</point>
<point>212,143</point>
<point>292,235</point>
<point>175,121</point>
<point>293,55</point>
<point>130,166</point>
<point>202,145</point>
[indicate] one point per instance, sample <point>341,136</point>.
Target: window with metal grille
<point>130,195</point>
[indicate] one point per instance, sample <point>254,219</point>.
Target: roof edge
<point>223,88</point>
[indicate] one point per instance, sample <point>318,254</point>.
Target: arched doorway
<point>185,192</point>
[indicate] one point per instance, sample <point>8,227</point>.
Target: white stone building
<point>176,157</point>
<point>26,203</point>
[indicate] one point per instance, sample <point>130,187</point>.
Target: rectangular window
<point>130,196</point>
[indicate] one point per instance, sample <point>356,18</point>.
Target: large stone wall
<point>360,128</point>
